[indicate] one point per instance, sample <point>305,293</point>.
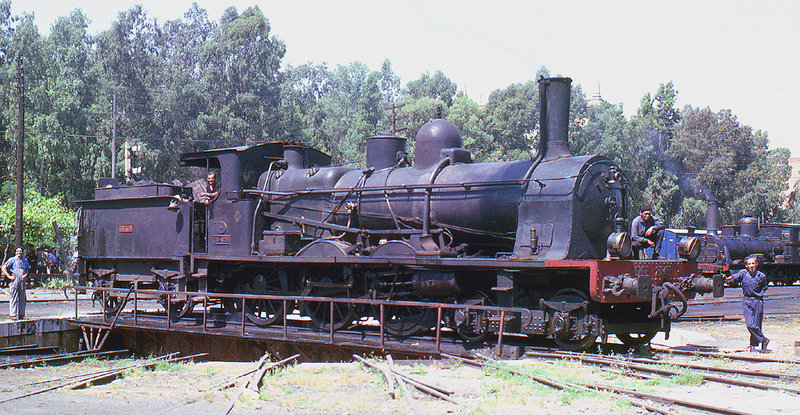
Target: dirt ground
<point>352,388</point>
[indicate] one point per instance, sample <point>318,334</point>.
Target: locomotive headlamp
<point>612,176</point>
<point>619,244</point>
<point>689,247</point>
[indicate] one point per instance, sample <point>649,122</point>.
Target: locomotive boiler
<point>544,236</point>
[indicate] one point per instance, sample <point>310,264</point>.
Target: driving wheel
<point>570,321</point>
<point>263,312</point>
<point>326,281</point>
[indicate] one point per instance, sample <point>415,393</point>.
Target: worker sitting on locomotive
<point>205,191</point>
<point>646,231</point>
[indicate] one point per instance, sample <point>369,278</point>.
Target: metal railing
<point>286,300</point>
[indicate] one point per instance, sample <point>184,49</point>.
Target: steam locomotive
<point>545,235</point>
<point>724,249</point>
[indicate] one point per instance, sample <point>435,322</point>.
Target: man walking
<point>754,285</point>
<point>18,267</point>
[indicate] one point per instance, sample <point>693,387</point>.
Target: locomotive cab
<point>231,220</point>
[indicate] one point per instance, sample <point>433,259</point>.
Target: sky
<point>736,55</point>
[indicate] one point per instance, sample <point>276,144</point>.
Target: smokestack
<point>712,217</point>
<point>554,116</point>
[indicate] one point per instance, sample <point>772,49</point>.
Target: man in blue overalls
<point>754,285</point>
<point>16,269</point>
<point>646,231</point>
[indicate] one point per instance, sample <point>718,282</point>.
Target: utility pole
<point>20,149</point>
<point>394,118</point>
<point>114,137</point>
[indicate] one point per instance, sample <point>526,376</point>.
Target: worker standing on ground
<point>754,286</point>
<point>18,267</point>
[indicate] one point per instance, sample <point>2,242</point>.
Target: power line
<point>189,140</point>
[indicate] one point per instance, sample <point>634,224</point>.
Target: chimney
<point>712,217</point>
<point>554,116</point>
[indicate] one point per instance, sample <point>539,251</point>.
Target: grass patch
<point>568,396</point>
<point>687,379</point>
<point>172,366</point>
<point>56,283</point>
<point>418,369</point>
<point>623,404</point>
<point>133,372</point>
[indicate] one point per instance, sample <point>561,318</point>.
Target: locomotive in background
<point>724,249</point>
<point>546,236</point>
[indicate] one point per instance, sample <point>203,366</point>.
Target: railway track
<point>642,372</point>
<point>81,380</point>
<point>644,381</point>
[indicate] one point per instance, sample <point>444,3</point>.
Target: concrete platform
<point>42,332</point>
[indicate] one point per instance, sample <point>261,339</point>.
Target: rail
<point>207,298</point>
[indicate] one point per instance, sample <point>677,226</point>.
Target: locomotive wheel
<point>404,321</point>
<point>113,304</point>
<point>178,308</point>
<point>634,340</point>
<point>323,281</point>
<point>567,339</point>
<point>262,313</point>
<point>464,322</point>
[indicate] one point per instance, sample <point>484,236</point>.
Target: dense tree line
<point>192,83</point>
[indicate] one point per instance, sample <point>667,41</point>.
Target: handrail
<point>362,301</point>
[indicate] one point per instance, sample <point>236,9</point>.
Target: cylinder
<point>554,116</point>
<point>382,151</point>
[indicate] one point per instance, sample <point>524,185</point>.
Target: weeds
<point>171,366</point>
<point>687,378</point>
<point>418,369</point>
<point>56,283</point>
<point>568,396</point>
<point>133,372</point>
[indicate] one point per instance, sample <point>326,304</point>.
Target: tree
<point>240,65</point>
<point>438,87</point>
<point>470,120</point>
<point>646,139</point>
<point>61,153</point>
<point>302,88</point>
<point>512,115</point>
<point>39,213</point>
<point>350,111</point>
<point>727,161</point>
<point>601,132</point>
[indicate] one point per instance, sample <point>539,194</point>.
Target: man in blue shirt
<point>16,269</point>
<point>646,231</point>
<point>754,285</point>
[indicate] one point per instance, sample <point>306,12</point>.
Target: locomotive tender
<point>546,236</point>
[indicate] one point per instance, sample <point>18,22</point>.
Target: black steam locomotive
<point>724,249</point>
<point>543,235</point>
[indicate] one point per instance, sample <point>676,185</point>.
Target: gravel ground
<point>352,388</point>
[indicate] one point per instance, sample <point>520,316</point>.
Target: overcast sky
<point>737,55</point>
